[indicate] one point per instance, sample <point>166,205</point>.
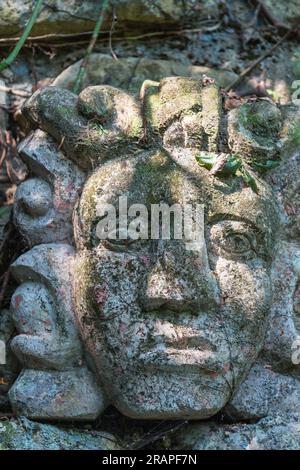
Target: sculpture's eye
<point>118,245</point>
<point>234,239</point>
<point>237,243</point>
<point>122,240</point>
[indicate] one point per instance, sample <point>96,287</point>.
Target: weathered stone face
<point>173,331</point>
<point>169,332</point>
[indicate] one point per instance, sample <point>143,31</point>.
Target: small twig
<point>11,57</point>
<point>254,17</point>
<point>6,416</point>
<point>4,286</point>
<point>90,48</point>
<point>55,36</point>
<point>3,144</point>
<point>61,142</point>
<point>111,34</point>
<point>3,155</point>
<point>152,437</point>
<point>14,91</point>
<point>38,40</point>
<point>250,67</point>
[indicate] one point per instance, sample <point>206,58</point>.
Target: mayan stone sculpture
<point>148,326</point>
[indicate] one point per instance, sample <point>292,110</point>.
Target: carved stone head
<point>168,332</point>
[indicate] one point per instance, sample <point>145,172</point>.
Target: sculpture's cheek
<point>246,295</point>
<point>115,321</point>
<point>245,288</point>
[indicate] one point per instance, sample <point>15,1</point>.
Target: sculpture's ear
<point>283,320</point>
<point>90,128</point>
<point>44,203</point>
<point>113,110</point>
<point>285,181</point>
<point>55,382</point>
<point>55,111</point>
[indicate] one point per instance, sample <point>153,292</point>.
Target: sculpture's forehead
<point>158,177</point>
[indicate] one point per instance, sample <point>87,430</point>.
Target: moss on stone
<point>211,114</point>
<point>7,433</point>
<point>254,131</point>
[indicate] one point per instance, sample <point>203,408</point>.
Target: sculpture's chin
<point>198,410</point>
<point>170,396</point>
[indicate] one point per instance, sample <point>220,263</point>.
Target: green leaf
<point>4,211</point>
<point>269,165</point>
<point>232,165</point>
<point>11,57</point>
<point>249,179</point>
<point>207,159</point>
<point>296,134</point>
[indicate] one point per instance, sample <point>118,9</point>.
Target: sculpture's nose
<point>180,280</point>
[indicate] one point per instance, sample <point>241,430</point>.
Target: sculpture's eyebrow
<point>261,228</point>
<point>258,211</point>
<point>223,217</point>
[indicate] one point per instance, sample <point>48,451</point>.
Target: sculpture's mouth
<point>190,353</point>
<point>179,360</point>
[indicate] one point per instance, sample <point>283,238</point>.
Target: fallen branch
<point>113,54</point>
<point>250,67</point>
<point>39,40</point>
<point>11,57</point>
<point>4,286</point>
<point>9,41</point>
<point>6,416</point>
<point>14,91</point>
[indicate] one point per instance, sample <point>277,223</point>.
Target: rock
<point>9,366</point>
<point>5,211</point>
<point>287,13</point>
<point>71,16</point>
<point>254,131</point>
<point>265,393</point>
<point>22,434</point>
<point>55,382</point>
<point>272,433</point>
<point>57,395</point>
<point>283,320</point>
<point>129,73</point>
<point>43,214</point>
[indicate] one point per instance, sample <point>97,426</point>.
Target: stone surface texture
<point>73,16</point>
<point>55,383</point>
<point>271,433</point>
<point>287,13</point>
<point>129,73</point>
<point>10,369</point>
<point>154,328</point>
<point>22,434</point>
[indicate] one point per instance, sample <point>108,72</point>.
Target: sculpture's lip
<point>190,340</point>
<point>187,360</point>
